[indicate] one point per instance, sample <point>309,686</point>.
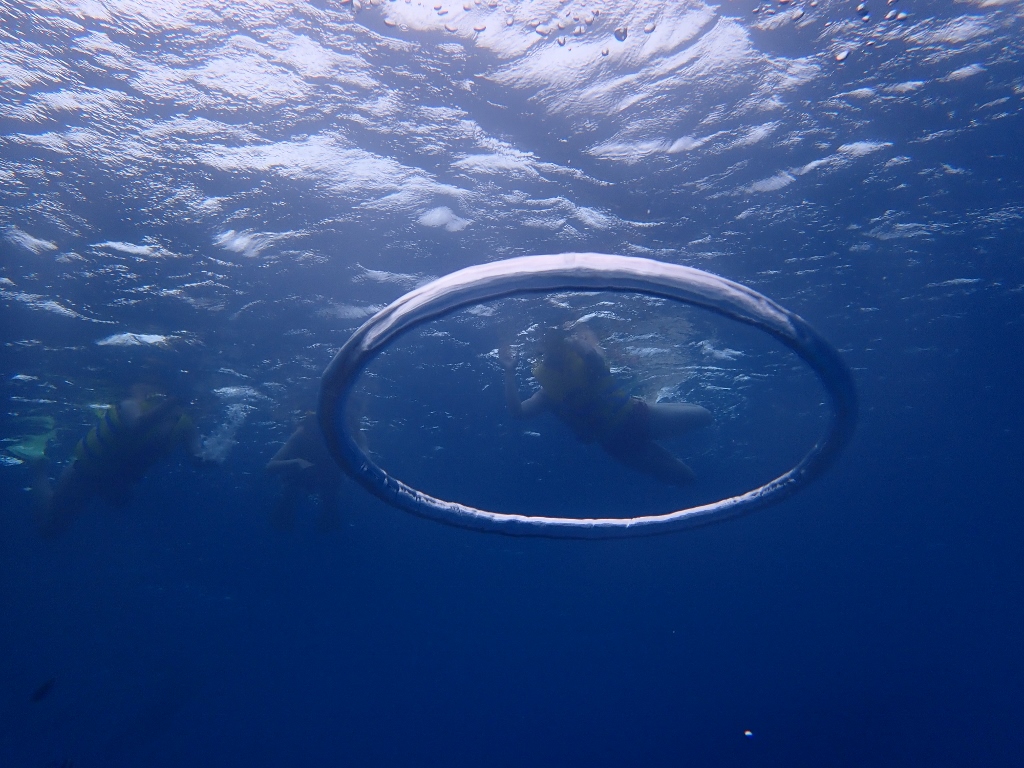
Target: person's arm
<point>520,409</point>
<point>283,465</point>
<point>287,458</point>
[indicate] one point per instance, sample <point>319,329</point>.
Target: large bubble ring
<point>585,272</point>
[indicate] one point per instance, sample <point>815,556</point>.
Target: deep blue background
<point>873,620</point>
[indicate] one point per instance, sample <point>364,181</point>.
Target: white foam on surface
<point>443,216</point>
<point>136,340</point>
<point>36,245</point>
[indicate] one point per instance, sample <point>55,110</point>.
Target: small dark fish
<point>43,690</point>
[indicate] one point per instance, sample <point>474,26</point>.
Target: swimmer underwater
<point>580,389</point>
<point>112,458</point>
<point>306,467</point>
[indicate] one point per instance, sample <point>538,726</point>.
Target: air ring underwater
<point>585,272</point>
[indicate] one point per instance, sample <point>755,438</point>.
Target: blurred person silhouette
<point>580,389</point>
<point>130,438</point>
<point>306,468</point>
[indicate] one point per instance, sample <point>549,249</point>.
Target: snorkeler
<point>112,458</point>
<point>579,388</point>
<point>306,467</point>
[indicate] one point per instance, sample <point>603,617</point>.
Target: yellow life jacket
<point>113,442</point>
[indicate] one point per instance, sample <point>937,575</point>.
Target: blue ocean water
<point>212,196</point>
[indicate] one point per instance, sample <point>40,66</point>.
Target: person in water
<point>579,388</point>
<point>131,437</point>
<point>306,467</point>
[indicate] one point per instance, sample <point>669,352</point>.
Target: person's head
<point>568,362</point>
<point>564,350</point>
<point>158,375</point>
<point>145,390</point>
<point>556,349</point>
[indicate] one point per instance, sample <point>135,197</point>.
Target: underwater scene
<point>480,383</point>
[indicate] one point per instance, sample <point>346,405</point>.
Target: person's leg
<point>673,419</point>
<point>653,459</point>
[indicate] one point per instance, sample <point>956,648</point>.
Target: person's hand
<point>508,358</point>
